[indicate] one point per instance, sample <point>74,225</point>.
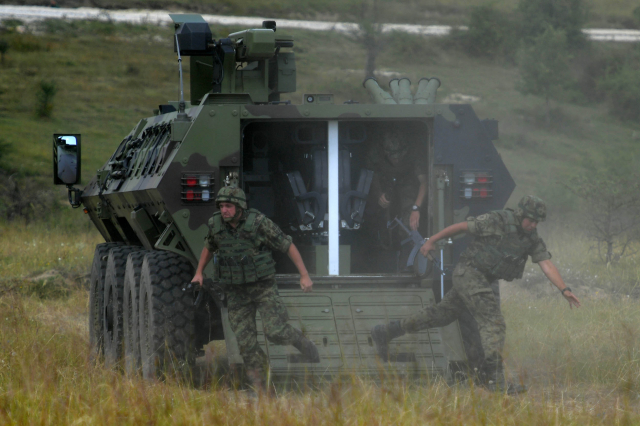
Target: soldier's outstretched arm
<point>554,276</point>
<point>305,281</point>
<point>205,257</point>
<point>449,231</point>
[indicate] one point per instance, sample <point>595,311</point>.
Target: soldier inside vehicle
<point>383,168</point>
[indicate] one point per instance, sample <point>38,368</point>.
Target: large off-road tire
<point>112,311</point>
<point>130,303</point>
<point>166,316</point>
<point>96,297</point>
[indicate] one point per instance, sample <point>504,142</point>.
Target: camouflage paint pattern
<point>533,207</point>
<point>232,195</point>
<point>268,235</point>
<point>471,290</point>
<point>399,183</point>
<point>490,228</point>
<point>260,296</point>
<point>243,303</point>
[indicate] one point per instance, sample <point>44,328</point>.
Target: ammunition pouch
<point>245,269</point>
<point>496,264</point>
<point>235,262</point>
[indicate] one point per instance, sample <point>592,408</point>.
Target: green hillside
<point>603,13</point>
<point>109,76</point>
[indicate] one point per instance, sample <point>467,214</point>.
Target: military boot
<point>382,334</point>
<point>256,381</point>
<point>501,385</point>
<point>307,348</point>
<point>492,378</point>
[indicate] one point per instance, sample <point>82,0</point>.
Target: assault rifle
<point>419,264</point>
<point>215,290</point>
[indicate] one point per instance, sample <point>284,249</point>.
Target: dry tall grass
<point>582,365</point>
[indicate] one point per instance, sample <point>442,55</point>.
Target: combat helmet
<point>394,146</point>
<point>533,208</point>
<point>233,195</point>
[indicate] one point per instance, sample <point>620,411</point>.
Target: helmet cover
<point>394,146</point>
<point>233,195</point>
<point>533,208</point>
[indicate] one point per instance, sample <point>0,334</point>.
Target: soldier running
<point>243,239</point>
<point>503,241</point>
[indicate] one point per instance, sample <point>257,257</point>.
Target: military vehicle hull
<point>304,166</point>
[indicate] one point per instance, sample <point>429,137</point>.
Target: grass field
<point>582,365</point>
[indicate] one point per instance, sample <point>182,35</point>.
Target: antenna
<point>181,105</point>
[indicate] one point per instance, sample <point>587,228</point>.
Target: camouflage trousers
<point>471,290</point>
<point>243,301</point>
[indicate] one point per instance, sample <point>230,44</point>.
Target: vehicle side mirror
<point>66,159</point>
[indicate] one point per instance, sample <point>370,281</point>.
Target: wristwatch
<point>415,208</point>
<point>565,289</point>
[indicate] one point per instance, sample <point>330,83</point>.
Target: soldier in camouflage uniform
<point>400,181</point>
<point>503,241</point>
<point>242,240</point>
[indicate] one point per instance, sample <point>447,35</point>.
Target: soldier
<point>243,239</point>
<point>400,178</point>
<point>503,241</point>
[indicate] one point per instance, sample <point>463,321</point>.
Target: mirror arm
<point>74,196</point>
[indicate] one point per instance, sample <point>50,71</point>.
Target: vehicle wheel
<point>96,297</point>
<point>130,304</point>
<point>166,315</point>
<point>112,310</point>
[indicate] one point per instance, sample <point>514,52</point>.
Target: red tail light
<point>475,184</point>
<point>197,188</point>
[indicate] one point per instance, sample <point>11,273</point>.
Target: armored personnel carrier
<point>304,167</point>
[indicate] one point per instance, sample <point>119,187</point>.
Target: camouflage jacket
<point>399,183</point>
<point>491,231</point>
<point>243,253</point>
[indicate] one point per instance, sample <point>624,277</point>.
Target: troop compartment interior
<point>295,171</point>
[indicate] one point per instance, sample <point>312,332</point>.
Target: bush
<point>568,16</point>
<point>622,86</point>
<point>44,97</point>
<point>612,198</point>
<point>544,67</point>
<point>490,34</point>
<point>25,43</point>
<point>4,46</point>
<point>5,148</point>
<point>421,49</point>
<point>24,199</point>
<point>10,25</point>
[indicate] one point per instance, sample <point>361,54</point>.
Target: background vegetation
<point>604,13</point>
<point>583,365</point>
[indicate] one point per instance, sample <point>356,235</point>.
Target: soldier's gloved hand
<point>426,248</point>
<point>197,278</point>
<point>383,202</point>
<point>306,284</point>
